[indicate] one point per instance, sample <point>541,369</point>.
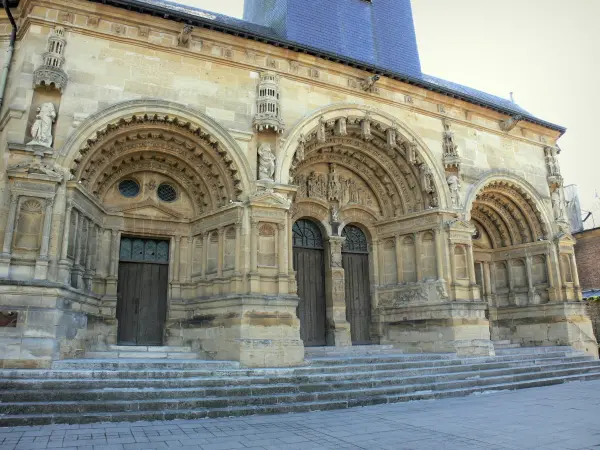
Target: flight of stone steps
<point>131,389</point>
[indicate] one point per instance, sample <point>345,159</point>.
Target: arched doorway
<point>142,291</point>
<point>355,261</point>
<point>309,264</point>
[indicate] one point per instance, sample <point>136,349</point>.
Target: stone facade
<point>464,217</point>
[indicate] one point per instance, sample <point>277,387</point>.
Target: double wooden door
<point>142,291</point>
<point>309,264</point>
<point>355,261</point>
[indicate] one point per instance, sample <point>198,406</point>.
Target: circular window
<point>167,193</point>
<point>129,188</point>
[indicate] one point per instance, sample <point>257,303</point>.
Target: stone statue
<point>557,205</point>
<point>454,186</point>
<point>266,162</point>
<point>426,178</point>
<point>333,184</point>
<point>335,214</point>
<point>41,131</point>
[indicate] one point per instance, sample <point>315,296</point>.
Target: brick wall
<point>587,255</point>
<point>593,309</point>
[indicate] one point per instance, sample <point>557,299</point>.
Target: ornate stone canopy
<point>165,144</point>
<point>507,214</point>
<point>375,167</point>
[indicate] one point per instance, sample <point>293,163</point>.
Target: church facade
<point>174,177</point>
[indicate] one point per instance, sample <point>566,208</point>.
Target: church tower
<point>377,32</point>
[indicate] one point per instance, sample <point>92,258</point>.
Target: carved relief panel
<point>29,225</point>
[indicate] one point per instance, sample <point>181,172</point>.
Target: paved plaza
<point>559,417</point>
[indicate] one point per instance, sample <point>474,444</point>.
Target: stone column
<point>64,265</point>
<point>41,264</point>
<point>338,329</point>
<point>190,258</point>
<point>77,267</point>
<point>204,253</point>
<point>418,256</point>
<point>399,266</point>
<point>238,249</point>
<point>8,236</point>
<point>530,288</point>
<point>471,264</point>
<point>381,272</point>
<point>576,284</point>
<point>111,280</point>
<point>176,259</point>
<point>221,252</point>
<point>281,249</point>
<point>438,254</point>
<point>89,252</point>
<point>253,246</point>
<point>452,264</point>
<point>487,280</point>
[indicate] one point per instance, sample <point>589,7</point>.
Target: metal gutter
<point>9,52</point>
<point>179,16</point>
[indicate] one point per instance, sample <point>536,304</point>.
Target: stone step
<point>164,370</point>
<point>140,364</point>
<point>503,346</point>
<point>170,414</point>
<point>530,350</point>
<point>91,392</point>
<point>313,352</point>
<point>140,355</point>
<point>61,380</point>
<point>149,348</point>
<point>502,342</point>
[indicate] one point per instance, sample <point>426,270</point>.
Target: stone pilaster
<point>41,264</point>
<point>8,237</point>
<point>338,330</point>
<point>64,265</point>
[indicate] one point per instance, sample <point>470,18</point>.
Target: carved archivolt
<point>508,214</point>
<point>164,143</point>
<point>373,166</point>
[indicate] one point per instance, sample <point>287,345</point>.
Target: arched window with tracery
<point>306,233</point>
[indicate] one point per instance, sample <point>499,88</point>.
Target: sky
<point>545,51</point>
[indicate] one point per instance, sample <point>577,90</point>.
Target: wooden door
<point>355,261</point>
<point>309,264</point>
<point>142,291</point>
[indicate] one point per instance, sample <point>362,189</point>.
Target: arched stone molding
<point>315,211</point>
<point>362,218</point>
<point>384,125</point>
<point>152,124</point>
<point>522,205</point>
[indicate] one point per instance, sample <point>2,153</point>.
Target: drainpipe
<point>9,53</point>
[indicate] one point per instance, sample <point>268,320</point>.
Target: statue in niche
<point>454,186</point>
<point>557,205</point>
<point>333,184</point>
<point>41,130</point>
<point>266,162</point>
<point>426,178</point>
<point>352,191</point>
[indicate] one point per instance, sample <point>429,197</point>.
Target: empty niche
<point>266,245</point>
<point>538,270</point>
<point>460,262</point>
<point>229,256</point>
<point>213,252</point>
<point>409,268</point>
<point>519,273</point>
<point>501,275</point>
<point>566,268</point>
<point>29,225</point>
<point>390,272</point>
<point>197,255</point>
<point>428,257</point>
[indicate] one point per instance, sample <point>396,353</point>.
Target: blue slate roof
<point>206,19</point>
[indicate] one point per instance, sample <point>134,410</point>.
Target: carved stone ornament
<point>454,186</point>
<point>51,74</point>
<point>451,157</point>
<point>268,107</point>
<point>183,39</point>
<point>510,123</point>
<point>266,162</point>
<point>554,176</point>
<point>36,168</point>
<point>41,130</point>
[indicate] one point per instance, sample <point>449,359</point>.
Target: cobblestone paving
<point>555,418</point>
